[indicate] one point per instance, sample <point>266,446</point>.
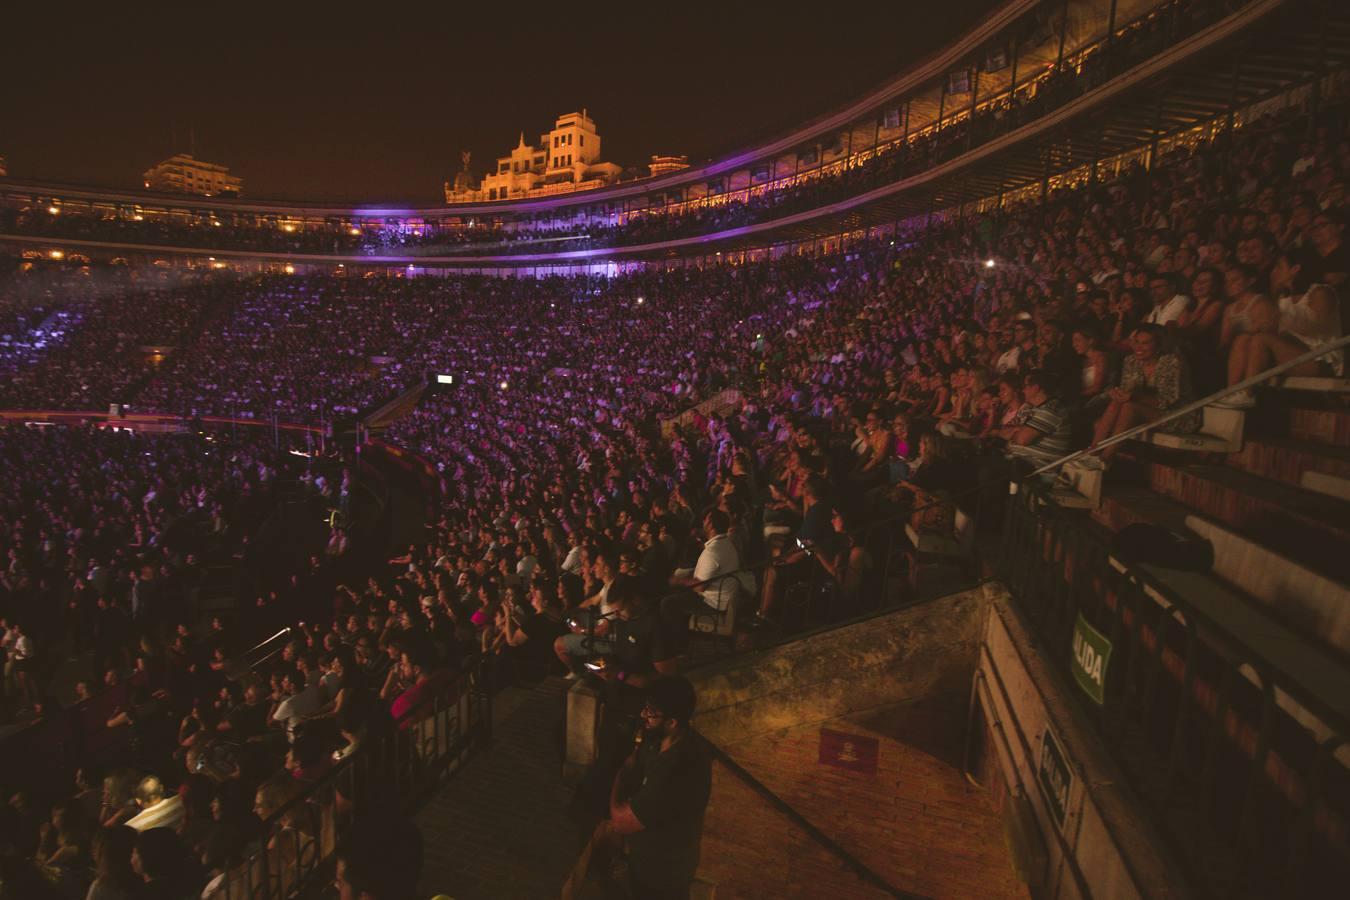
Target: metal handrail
<point>1244,385</point>
<point>400,761</point>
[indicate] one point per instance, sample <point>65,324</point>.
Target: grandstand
<point>979,451</point>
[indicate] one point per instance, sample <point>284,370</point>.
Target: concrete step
<point>1324,483</point>
<point>1220,432</point>
<point>1128,505</point>
<point>1238,497</point>
<point>1309,603</point>
<point>1289,459</point>
<point>1314,384</point>
<point>1273,513</point>
<point>1322,426</point>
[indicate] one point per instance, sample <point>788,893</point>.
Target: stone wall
<point>860,730</point>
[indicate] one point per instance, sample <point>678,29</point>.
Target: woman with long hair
<point>1154,382</point>
<point>114,879</point>
<point>1309,319</point>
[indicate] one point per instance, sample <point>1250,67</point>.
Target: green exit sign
<point>1091,659</point>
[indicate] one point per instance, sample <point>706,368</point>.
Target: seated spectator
<point>1169,303</point>
<point>1247,309</point>
<point>1199,327</point>
<point>158,808</point>
<point>792,566</point>
<point>114,877</point>
<point>716,582</point>
<point>1093,367</point>
<point>288,847</point>
<point>1309,318</point>
<point>425,677</point>
<point>1040,434</point>
<point>163,864</point>
<point>380,859</point>
<point>1329,261</point>
<point>301,700</point>
<point>851,565</point>
<point>528,635</point>
<point>1152,384</point>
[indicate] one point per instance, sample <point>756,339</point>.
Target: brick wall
<point>915,820</point>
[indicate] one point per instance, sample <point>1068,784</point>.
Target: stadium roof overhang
<point>1265,48</point>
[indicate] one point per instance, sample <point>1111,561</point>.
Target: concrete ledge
<point>909,654</point>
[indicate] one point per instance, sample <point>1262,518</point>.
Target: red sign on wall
<point>855,752</point>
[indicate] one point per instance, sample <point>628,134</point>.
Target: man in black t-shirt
<point>1329,261</point>
<point>659,797</point>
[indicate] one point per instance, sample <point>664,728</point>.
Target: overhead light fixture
<point>56,254</point>
<point>989,263</point>
<point>290,269</point>
<point>54,210</point>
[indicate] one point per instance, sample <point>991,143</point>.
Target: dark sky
<point>315,102</point>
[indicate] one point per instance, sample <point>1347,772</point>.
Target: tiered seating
<point>1276,512</point>
<point>1220,433</point>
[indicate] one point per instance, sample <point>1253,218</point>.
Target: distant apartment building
<point>566,159</point>
<point>664,165</point>
<point>185,174</point>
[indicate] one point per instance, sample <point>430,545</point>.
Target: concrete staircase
<point>1277,511</point>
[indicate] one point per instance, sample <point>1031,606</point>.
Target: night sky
<point>311,102</point>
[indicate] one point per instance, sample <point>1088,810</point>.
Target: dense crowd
<point>569,526</point>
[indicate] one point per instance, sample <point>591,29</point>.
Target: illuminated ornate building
<point>568,159</point>
<point>185,174</point>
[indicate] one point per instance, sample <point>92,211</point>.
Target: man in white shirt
<point>1168,302</point>
<point>1024,339</point>
<point>301,703</point>
<point>716,582</point>
<point>158,808</point>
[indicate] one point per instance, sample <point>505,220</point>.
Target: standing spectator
<point>661,793</point>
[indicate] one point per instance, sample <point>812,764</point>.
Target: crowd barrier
<point>297,843</point>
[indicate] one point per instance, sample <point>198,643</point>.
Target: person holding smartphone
<point>816,535</point>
